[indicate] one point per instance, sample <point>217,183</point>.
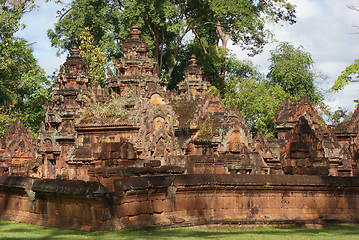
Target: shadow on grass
<point>15,231</point>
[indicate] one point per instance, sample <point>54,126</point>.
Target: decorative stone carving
<point>152,131</point>
<point>135,69</point>
<point>193,82</point>
<point>18,153</point>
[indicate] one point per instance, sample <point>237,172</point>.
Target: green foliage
<point>6,120</point>
<point>15,230</point>
<point>338,116</point>
<point>292,69</point>
<point>94,58</point>
<point>244,22</point>
<point>109,111</point>
<point>214,90</point>
<point>159,20</point>
<point>207,128</point>
<point>346,77</point>
<point>21,5</point>
<point>103,18</point>
<point>22,82</point>
<point>164,77</point>
<point>215,22</point>
<point>165,23</point>
<point>257,99</point>
<point>243,69</point>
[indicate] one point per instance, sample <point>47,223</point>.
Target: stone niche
<point>135,155</point>
<point>137,126</point>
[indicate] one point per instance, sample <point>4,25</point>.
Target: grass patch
<point>11,230</point>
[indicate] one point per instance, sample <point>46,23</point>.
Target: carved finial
<point>135,31</point>
<point>74,51</point>
<point>193,60</point>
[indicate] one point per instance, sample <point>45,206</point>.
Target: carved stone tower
<point>135,69</point>
<point>57,134</point>
<point>193,81</point>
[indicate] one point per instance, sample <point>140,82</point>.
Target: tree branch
<point>200,41</point>
<point>353,7</point>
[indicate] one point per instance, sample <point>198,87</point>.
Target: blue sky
<point>323,28</point>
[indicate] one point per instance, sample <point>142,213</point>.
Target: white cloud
<point>38,22</point>
<point>324,29</point>
<point>308,8</point>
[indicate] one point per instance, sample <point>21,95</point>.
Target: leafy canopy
<point>292,69</point>
<point>102,17</point>
<point>244,22</point>
<point>166,24</point>
<point>22,82</point>
<point>347,76</point>
<point>257,99</point>
<point>94,58</point>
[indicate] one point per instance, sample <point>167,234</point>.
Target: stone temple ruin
<point>142,146</point>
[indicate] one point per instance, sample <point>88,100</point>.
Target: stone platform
<point>180,201</point>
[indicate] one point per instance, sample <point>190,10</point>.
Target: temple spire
<point>193,79</point>
<point>135,31</point>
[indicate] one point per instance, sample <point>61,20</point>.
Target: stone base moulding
<point>182,200</point>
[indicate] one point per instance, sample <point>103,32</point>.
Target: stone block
<point>182,202</point>
<point>115,146</point>
<point>133,208</point>
<point>121,210</point>
<point>104,155</point>
<point>105,147</point>
<point>141,221</point>
<point>146,207</point>
<point>157,206</point>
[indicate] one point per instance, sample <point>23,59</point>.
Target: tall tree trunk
<point>162,46</point>
<point>175,52</point>
<point>155,36</point>
<point>223,54</point>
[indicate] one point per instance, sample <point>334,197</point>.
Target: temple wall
<point>183,200</point>
<point>53,203</point>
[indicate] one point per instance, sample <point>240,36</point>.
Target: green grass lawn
<point>10,230</point>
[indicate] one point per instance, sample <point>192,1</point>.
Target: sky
<point>324,28</point>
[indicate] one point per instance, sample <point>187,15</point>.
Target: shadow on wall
<point>180,200</point>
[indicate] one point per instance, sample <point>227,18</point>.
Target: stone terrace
<point>137,155</point>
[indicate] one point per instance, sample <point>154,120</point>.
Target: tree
<point>165,24</point>
<point>347,76</point>
<point>339,115</point>
<point>94,58</point>
<point>162,23</point>
<point>243,21</point>
<point>22,82</point>
<point>212,23</point>
<point>292,69</point>
<point>257,99</point>
<point>21,5</point>
<point>102,17</point>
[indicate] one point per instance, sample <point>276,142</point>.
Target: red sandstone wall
<point>182,200</point>
<point>207,199</point>
<point>53,203</point>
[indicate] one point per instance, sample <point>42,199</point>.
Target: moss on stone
<point>207,128</point>
<point>184,109</point>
